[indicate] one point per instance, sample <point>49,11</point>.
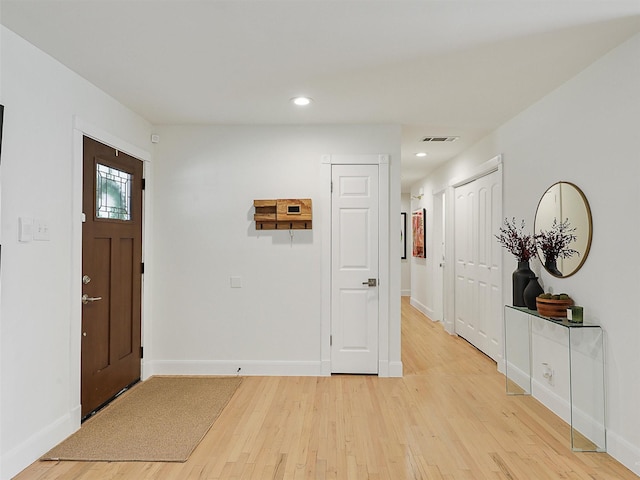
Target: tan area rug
<point>160,420</point>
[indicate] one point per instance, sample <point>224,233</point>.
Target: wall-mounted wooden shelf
<point>283,214</point>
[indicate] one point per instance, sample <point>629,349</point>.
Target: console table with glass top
<point>584,345</point>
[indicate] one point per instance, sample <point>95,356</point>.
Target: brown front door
<point>112,276</point>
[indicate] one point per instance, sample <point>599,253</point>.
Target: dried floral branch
<point>554,243</point>
<point>518,243</point>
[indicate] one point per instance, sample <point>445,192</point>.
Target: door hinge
<point>142,268</point>
<point>141,351</point>
<point>331,186</point>
<point>330,340</point>
<point>144,183</point>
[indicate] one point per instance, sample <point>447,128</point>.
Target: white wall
<point>39,341</point>
<point>205,181</point>
<point>423,288</point>
<point>585,132</point>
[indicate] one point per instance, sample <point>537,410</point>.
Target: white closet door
<point>478,212</point>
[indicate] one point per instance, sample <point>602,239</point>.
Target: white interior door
<point>466,315</point>
<point>354,272</point>
<point>490,262</point>
<point>478,213</point>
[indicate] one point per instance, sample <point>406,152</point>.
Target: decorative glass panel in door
<point>113,193</point>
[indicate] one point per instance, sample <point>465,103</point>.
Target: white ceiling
<point>447,67</point>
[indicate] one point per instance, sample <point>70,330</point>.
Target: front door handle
<point>372,282</point>
<point>86,299</point>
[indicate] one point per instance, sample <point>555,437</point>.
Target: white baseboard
<point>423,308</point>
<point>419,306</point>
<point>248,368</point>
<point>554,402</point>
<point>23,455</point>
<point>230,367</point>
<point>583,422</point>
<point>624,452</point>
<point>405,293</point>
<point>617,447</point>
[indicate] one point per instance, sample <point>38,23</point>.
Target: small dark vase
<point>531,291</point>
<point>551,264</point>
<point>520,280</point>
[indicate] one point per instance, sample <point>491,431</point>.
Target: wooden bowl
<point>553,308</point>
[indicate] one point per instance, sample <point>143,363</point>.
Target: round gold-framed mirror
<point>563,211</point>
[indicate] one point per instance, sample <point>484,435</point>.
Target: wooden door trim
<point>386,367</point>
<point>81,128</point>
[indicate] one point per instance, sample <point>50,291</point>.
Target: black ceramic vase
<point>531,291</point>
<point>551,264</point>
<point>520,280</point>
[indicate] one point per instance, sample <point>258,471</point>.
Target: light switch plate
<point>25,229</point>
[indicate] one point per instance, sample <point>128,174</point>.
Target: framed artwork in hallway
<point>419,233</point>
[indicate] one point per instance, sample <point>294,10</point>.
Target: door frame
<point>439,238</point>
<point>82,128</point>
<point>385,366</point>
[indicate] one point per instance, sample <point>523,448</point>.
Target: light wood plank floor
<point>448,418</point>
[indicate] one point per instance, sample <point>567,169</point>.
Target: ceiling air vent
<point>440,139</point>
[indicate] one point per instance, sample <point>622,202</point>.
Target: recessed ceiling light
<point>421,154</point>
<point>301,101</point>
